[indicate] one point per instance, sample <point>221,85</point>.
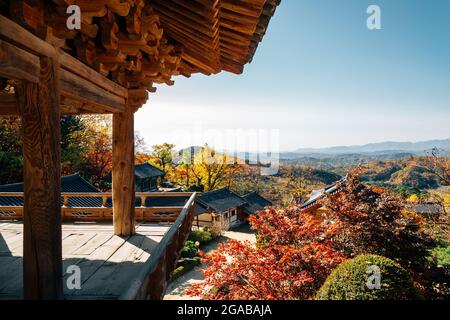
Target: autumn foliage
<point>296,250</point>
<point>293,258</point>
<point>271,273</point>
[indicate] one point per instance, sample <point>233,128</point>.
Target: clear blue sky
<point>321,78</point>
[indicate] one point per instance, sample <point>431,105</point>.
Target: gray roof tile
<point>146,170</point>
<point>255,202</point>
<point>221,200</point>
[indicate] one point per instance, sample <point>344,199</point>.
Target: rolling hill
<point>381,147</point>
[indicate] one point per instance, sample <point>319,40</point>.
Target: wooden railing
<point>98,207</point>
<point>152,280</point>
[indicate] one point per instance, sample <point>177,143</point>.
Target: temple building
<point>226,209</point>
<point>147,177</point>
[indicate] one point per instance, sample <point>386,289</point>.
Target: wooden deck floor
<point>108,263</point>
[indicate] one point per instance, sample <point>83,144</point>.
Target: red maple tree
<point>292,259</point>
<point>296,249</point>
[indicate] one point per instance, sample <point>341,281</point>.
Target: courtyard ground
<point>176,290</point>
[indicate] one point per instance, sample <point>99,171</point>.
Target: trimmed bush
<point>185,262</point>
<point>201,236</point>
<point>178,272</point>
<point>349,281</point>
<point>184,266</point>
<point>190,250</point>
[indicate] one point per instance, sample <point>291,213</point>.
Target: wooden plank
<point>10,235</point>
<point>152,229</point>
<point>11,276</point>
<point>78,227</point>
<point>115,274</point>
<point>94,243</point>
<point>4,262</point>
<point>108,263</point>
<point>143,246</point>
<point>18,64</point>
<point>75,241</point>
<point>39,107</point>
<point>11,226</point>
<point>4,245</point>
<point>148,246</point>
<point>93,262</point>
<point>12,243</point>
<point>123,184</point>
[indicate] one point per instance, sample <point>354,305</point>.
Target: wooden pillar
<point>123,173</point>
<point>42,254</point>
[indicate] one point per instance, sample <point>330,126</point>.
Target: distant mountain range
<point>381,147</point>
<point>342,155</point>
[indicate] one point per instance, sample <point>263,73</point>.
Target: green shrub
<point>184,265</point>
<point>190,250</point>
<point>185,262</point>
<point>349,281</point>
<point>178,272</point>
<point>442,256</point>
<point>201,236</point>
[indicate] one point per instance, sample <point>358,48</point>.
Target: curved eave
<point>268,12</point>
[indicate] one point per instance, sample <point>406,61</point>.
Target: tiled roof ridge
<point>68,177</point>
<point>327,190</point>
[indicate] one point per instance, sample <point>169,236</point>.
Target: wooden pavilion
<point>108,65</point>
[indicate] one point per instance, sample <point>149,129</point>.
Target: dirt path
<point>176,289</point>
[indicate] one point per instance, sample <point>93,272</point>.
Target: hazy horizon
<point>320,78</point>
<point>177,147</point>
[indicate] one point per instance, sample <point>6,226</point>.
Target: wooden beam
<point>76,87</point>
<point>78,97</point>
<point>16,63</point>
<point>123,173</point>
<point>70,63</point>
<point>17,34</point>
<point>8,104</point>
<point>39,106</point>
<point>69,106</point>
<point>19,60</point>
<point>35,46</point>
